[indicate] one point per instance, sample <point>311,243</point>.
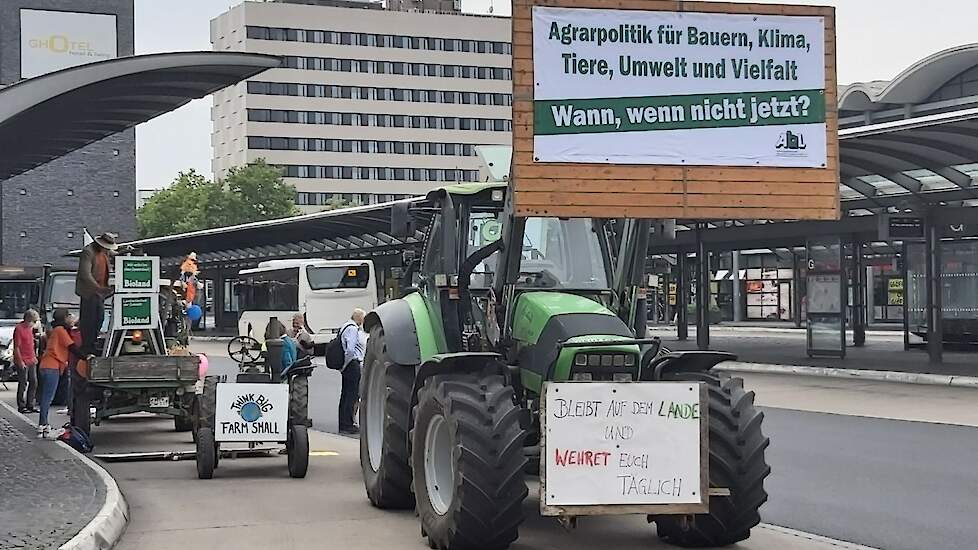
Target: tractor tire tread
<point>737,462</point>
<point>390,486</point>
<point>488,509</point>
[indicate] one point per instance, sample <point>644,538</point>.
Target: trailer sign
<point>251,412</point>
<point>137,274</point>
<point>622,445</point>
<point>135,311</point>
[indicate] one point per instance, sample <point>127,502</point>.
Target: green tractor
<point>455,370</point>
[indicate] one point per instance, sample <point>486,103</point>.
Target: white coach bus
<point>326,291</point>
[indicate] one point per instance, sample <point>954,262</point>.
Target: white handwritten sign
<point>622,444</point>
<point>251,412</point>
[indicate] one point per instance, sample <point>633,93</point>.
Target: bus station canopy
<point>49,116</point>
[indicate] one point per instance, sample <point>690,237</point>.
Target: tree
<point>250,193</point>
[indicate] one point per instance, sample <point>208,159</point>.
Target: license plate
<point>161,402</point>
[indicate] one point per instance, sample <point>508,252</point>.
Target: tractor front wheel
<point>737,463</point>
<point>467,459</point>
<point>206,453</point>
<point>385,412</point>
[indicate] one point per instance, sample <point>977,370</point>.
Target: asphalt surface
<point>252,504</point>
<point>890,484</point>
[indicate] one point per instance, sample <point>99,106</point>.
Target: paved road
<point>886,483</point>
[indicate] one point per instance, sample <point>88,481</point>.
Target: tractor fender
<point>684,361</point>
<point>399,331</point>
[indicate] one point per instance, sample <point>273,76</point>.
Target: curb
<point>108,525</point>
<point>844,545</point>
<point>859,374</point>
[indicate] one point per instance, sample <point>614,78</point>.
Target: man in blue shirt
<point>353,350</point>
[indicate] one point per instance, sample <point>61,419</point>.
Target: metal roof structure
<point>342,233</point>
<point>49,116</point>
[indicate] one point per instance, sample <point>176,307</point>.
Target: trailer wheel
<point>298,447</point>
<point>467,458</point>
<point>183,423</point>
<point>206,453</point>
<point>299,400</point>
<point>385,412</point>
<point>737,462</point>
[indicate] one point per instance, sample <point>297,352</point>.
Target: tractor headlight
<point>629,360</point>
<point>580,359</point>
<point>593,360</point>
<point>619,360</point>
<point>606,360</point>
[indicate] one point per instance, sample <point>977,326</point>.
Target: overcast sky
<point>876,40</point>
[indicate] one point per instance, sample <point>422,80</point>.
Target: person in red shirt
<point>25,360</point>
<point>58,350</point>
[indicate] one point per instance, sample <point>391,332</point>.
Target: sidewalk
<point>49,493</point>
<point>883,351</point>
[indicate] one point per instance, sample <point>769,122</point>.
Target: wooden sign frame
<point>668,191</point>
<point>603,509</point>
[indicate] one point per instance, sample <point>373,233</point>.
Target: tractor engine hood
<point>541,320</point>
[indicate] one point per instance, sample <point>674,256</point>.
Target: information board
<point>137,274</point>
<point>251,412</point>
<point>639,446</point>
<point>696,110</point>
<point>135,311</point>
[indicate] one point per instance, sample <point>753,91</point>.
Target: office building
<point>371,105</point>
<point>43,211</point>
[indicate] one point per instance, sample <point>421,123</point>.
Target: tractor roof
<point>465,189</point>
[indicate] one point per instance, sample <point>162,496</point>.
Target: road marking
<point>323,453</point>
<point>815,538</point>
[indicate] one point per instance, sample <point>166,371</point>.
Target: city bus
<point>325,291</point>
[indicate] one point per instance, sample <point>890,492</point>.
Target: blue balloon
<point>194,313</point>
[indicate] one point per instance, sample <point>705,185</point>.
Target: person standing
<point>353,350</point>
<point>57,351</point>
<point>25,360</point>
<point>92,286</point>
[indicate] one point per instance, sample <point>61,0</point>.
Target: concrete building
<point>43,211</point>
<point>371,105</point>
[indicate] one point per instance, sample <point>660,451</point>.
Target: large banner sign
<point>55,40</point>
<point>674,109</point>
<point>659,87</point>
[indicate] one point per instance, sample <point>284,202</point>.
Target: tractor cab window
<point>562,253</point>
<point>484,229</point>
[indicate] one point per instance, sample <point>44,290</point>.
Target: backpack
<point>77,439</point>
<point>335,355</point>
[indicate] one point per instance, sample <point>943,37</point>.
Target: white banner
<point>252,412</point>
<point>55,40</point>
<point>654,87</point>
<point>622,443</point>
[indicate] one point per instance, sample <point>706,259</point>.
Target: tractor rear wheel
<point>207,403</point>
<point>298,448</point>
<point>299,400</point>
<point>385,416</point>
<point>467,458</point>
<point>206,453</point>
<point>737,463</point>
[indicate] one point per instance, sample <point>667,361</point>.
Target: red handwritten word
<point>581,458</point>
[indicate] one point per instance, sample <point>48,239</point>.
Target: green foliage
<point>250,193</point>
